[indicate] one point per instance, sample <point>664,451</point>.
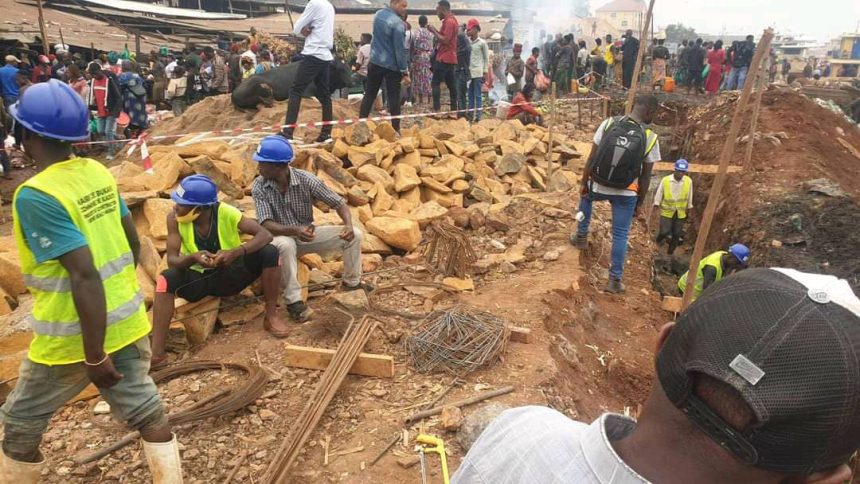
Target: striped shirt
<point>295,206</point>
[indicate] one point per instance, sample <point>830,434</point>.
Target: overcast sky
<point>819,19</point>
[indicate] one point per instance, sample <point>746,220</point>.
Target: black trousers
<point>443,72</point>
<point>224,281</point>
<point>376,75</point>
<point>673,229</point>
<point>694,79</point>
<point>627,69</point>
<point>312,69</point>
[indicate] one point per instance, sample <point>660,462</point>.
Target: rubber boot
<point>17,472</point>
<point>163,460</point>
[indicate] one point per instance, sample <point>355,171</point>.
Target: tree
<point>675,33</point>
<point>581,8</point>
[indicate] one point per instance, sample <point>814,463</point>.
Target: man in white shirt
<point>756,383</point>
<point>674,197</point>
<point>619,171</point>
<point>317,26</point>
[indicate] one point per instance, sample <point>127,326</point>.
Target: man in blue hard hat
<point>284,198</point>
<point>78,248</point>
<point>674,198</point>
<point>716,266</point>
<point>206,257</point>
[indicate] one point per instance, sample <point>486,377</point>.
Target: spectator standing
<point>177,91</point>
<point>532,66</point>
<point>317,26</point>
<point>695,65</point>
<point>659,59</point>
<point>362,58</point>
<point>564,60</point>
<point>629,51</point>
<point>619,171</point>
<point>741,64</point>
<point>133,98</point>
<point>446,55</point>
<point>582,58</point>
<point>158,77</point>
<point>422,57</point>
<point>234,67</point>
<point>220,83</point>
<point>546,54</point>
<point>479,66</point>
<point>716,60</point>
<point>78,82</point>
<point>105,98</point>
<point>42,71</point>
<point>610,57</point>
<point>516,68</point>
<point>8,83</point>
<point>681,61</point>
<point>462,74</point>
<point>389,59</point>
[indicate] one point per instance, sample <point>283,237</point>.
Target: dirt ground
<point>591,352</point>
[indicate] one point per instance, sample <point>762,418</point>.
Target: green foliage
<point>344,45</point>
<point>675,33</point>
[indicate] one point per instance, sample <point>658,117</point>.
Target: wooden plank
<point>694,168</point>
<point>672,304</point>
<point>848,146</point>
<point>520,335</point>
<point>725,158</point>
<point>367,364</point>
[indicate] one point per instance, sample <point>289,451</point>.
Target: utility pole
<point>634,86</point>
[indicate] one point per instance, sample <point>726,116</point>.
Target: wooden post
<point>550,126</point>
<point>289,14</point>
<point>634,86</point>
<point>725,158</point>
<point>45,47</point>
<point>578,109</point>
<point>761,87</point>
<point>137,44</point>
<point>62,40</point>
<point>92,52</point>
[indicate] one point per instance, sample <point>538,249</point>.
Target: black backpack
<point>622,150</point>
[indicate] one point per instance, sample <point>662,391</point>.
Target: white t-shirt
<point>318,14</point>
<point>652,157</point>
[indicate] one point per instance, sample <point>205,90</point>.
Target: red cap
<point>472,23</point>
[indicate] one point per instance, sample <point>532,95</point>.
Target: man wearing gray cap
<point>757,382</point>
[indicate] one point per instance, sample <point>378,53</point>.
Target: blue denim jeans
<point>41,390</point>
<point>737,78</point>
<point>476,97</point>
<point>623,208</point>
<point>106,127</point>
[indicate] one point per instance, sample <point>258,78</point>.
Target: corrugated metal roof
<point>130,6</point>
<point>624,6</point>
<point>78,30</point>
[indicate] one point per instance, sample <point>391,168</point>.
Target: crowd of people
<point>706,67</point>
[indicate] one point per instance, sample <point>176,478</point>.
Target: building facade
<point>624,14</point>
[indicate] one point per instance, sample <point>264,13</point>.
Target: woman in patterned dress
<point>422,51</point>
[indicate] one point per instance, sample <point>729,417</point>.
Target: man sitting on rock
<point>206,257</point>
<point>284,198</point>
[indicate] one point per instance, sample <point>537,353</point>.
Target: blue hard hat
<point>274,149</point>
<point>53,110</point>
<point>196,190</point>
<point>741,253</point>
<point>682,165</point>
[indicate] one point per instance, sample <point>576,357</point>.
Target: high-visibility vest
<point>228,232</point>
<point>608,56</point>
<point>88,192</point>
<point>714,260</point>
<point>669,205</point>
<point>651,140</point>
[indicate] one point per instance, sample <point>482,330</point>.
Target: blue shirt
<point>388,48</point>
<point>7,81</point>
<point>47,226</point>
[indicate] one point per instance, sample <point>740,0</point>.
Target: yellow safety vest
<point>714,260</point>
<point>608,56</point>
<point>88,192</point>
<point>228,232</point>
<point>669,205</point>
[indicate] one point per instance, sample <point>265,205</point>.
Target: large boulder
<point>405,177</point>
<point>428,212</point>
<point>155,210</point>
<point>402,233</point>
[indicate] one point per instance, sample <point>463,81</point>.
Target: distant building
<point>624,14</point>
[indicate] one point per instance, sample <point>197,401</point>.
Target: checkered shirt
<point>295,207</point>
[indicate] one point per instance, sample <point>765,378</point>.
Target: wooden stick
<point>461,403</point>
<point>643,44</point>
<point>236,468</point>
<point>725,158</point>
<point>44,31</point>
<point>754,122</point>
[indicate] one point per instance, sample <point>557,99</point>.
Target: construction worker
<point>674,197</point>
<point>206,257</point>
<point>716,266</point>
<point>284,198</point>
<point>78,248</point>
